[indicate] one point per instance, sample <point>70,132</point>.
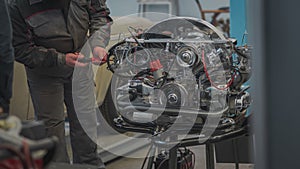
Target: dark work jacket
<point>6,57</point>
<point>45,30</point>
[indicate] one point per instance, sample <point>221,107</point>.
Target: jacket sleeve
<point>100,23</point>
<point>26,52</point>
<point>6,49</point>
<point>6,57</point>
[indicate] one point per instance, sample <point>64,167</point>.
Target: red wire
<point>27,154</point>
<point>208,77</point>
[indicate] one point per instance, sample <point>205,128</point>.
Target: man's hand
<point>100,55</point>
<point>72,59</point>
<point>1,110</point>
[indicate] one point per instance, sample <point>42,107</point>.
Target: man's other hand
<point>100,55</point>
<point>1,110</point>
<point>72,59</point>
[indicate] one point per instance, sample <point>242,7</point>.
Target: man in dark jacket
<point>6,58</point>
<point>48,36</point>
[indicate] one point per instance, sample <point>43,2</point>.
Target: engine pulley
<point>173,95</point>
<point>186,56</point>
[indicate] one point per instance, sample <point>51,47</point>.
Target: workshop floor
<point>136,163</point>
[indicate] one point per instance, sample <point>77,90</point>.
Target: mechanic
<point>47,37</point>
<point>6,58</point>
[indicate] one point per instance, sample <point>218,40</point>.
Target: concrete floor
<point>136,163</point>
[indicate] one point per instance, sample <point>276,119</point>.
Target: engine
<point>179,67</point>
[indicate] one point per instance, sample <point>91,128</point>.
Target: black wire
<point>182,155</point>
<point>144,162</point>
<point>111,53</point>
<point>141,73</point>
<point>240,53</point>
<point>161,163</point>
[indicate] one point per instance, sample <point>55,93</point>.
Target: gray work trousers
<point>49,95</point>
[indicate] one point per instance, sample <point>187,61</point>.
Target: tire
<point>109,111</point>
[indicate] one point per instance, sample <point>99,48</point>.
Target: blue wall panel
<point>238,20</point>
